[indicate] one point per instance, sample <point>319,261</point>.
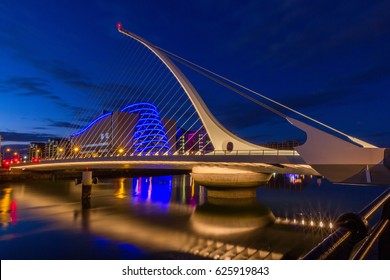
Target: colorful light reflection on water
<point>131,217</point>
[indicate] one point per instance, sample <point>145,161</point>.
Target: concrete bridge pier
<point>228,182</point>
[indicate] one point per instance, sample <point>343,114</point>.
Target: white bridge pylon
<point>221,138</point>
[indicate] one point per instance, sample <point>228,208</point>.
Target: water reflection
<point>220,216</point>
<point>7,208</point>
<point>166,214</point>
<point>84,217</point>
<point>120,188</point>
<point>153,189</point>
<point>162,190</point>
<point>187,192</point>
<point>293,182</point>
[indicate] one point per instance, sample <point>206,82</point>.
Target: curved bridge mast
<point>221,138</point>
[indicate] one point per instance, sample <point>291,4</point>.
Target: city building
<point>56,148</point>
<point>193,142</point>
<point>35,150</point>
<point>1,149</point>
<point>285,145</point>
<point>136,129</point>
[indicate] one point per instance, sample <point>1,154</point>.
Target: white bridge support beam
<point>341,161</point>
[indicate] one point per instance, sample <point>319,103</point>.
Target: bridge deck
<point>281,164</point>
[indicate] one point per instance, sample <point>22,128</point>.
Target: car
<point>35,159</point>
<point>16,159</point>
<point>6,163</point>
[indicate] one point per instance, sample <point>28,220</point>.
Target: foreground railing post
<point>351,228</point>
<point>384,238</point>
<point>380,234</point>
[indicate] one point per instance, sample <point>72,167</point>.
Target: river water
<point>170,217</point>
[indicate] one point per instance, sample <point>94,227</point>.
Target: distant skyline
<point>327,59</point>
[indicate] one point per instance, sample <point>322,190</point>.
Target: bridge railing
<point>275,152</point>
<point>255,152</point>
<point>353,238</point>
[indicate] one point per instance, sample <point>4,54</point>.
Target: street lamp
<point>59,152</point>
<point>37,153</point>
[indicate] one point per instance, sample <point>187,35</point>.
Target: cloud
<point>64,73</point>
<point>12,39</point>
<point>27,86</point>
<point>372,75</point>
<point>37,87</point>
<point>84,85</point>
<point>301,33</point>
<point>321,98</point>
<point>244,114</point>
<point>62,124</point>
<point>40,128</point>
<point>26,137</point>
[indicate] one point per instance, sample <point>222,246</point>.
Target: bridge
<point>142,133</point>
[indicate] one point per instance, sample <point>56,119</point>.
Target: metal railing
<point>292,153</point>
<point>255,152</point>
<point>352,230</point>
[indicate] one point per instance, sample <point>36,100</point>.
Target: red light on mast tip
<point>119,25</point>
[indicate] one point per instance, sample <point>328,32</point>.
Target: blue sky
<point>328,59</point>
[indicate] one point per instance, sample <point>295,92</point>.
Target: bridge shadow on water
<point>170,217</point>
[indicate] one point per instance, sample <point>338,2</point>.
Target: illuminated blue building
<point>149,134</point>
<point>135,130</point>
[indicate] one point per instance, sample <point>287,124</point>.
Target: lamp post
<point>5,152</point>
<point>37,151</point>
<point>76,150</point>
<point>59,152</point>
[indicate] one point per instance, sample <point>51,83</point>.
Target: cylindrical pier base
<point>227,182</point>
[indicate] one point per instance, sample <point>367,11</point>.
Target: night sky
<point>327,59</point>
